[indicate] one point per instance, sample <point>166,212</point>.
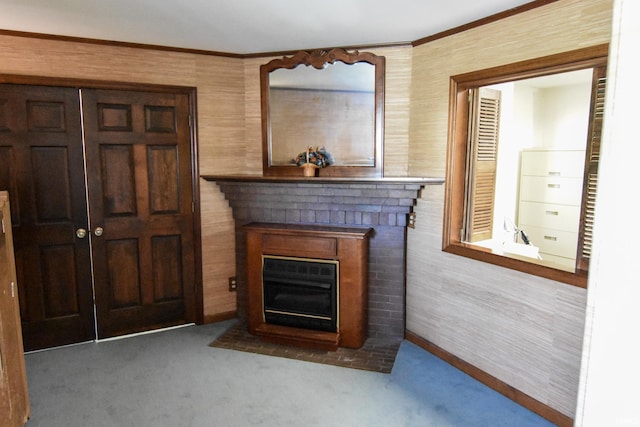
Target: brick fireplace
<point>381,204</point>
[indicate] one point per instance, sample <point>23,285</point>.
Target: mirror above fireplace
<point>332,99</point>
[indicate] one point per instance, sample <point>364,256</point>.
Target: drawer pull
<point>553,185</point>
<point>552,238</point>
<point>554,173</point>
<point>554,213</point>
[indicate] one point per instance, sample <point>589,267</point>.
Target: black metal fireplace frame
<point>301,292</point>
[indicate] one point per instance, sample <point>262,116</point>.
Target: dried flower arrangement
<point>313,159</point>
<point>319,156</point>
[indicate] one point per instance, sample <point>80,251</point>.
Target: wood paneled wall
<point>524,330</point>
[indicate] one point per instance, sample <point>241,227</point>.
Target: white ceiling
<point>247,26</point>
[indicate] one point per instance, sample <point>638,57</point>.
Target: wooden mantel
<point>324,180</point>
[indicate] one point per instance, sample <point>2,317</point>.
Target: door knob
<point>98,231</point>
<point>81,233</point>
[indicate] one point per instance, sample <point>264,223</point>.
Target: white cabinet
<point>549,202</point>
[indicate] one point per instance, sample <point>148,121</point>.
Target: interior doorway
<point>104,209</point>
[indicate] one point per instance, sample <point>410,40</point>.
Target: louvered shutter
<point>484,126</point>
<point>585,237</point>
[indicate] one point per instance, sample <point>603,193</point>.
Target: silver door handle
<point>98,231</point>
<point>81,233</point>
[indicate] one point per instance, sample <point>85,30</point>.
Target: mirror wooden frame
<point>318,59</point>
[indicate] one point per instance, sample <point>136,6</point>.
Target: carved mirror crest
<point>332,99</point>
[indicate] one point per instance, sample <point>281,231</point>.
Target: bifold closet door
<point>126,236</point>
<point>42,167</point>
<point>138,156</point>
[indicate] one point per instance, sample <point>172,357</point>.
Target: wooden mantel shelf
<point>324,180</point>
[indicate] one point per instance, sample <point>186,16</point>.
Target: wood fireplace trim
<point>347,245</point>
<point>324,179</point>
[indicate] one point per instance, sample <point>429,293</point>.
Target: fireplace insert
<point>300,292</point>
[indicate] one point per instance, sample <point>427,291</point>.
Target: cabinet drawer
<point>545,215</point>
<point>542,189</point>
<point>553,163</point>
<point>555,242</point>
<point>567,264</point>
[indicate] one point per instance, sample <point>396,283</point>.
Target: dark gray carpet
<point>174,378</point>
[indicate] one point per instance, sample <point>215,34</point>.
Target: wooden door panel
<point>51,186</point>
<point>160,118</point>
<point>7,169</point>
<point>167,268</point>
<point>59,286</point>
<point>114,117</point>
<point>118,180</point>
<point>123,263</point>
<point>164,180</point>
<point>5,111</point>
<point>46,116</point>
<point>42,137</point>
<point>141,195</point>
<point>51,269</point>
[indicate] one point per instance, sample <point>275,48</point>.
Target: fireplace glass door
<point>300,292</point>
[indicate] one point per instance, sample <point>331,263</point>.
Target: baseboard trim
<point>219,317</point>
<point>501,387</point>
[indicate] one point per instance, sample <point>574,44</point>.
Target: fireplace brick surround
<point>382,204</point>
